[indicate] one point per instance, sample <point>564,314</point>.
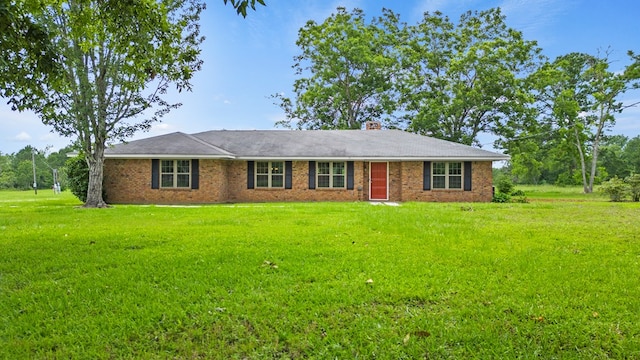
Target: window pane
<point>277,167</point>
<point>455,182</point>
<point>338,181</point>
<point>338,168</point>
<point>262,181</point>
<point>183,180</point>
<point>323,181</point>
<point>167,166</point>
<point>438,182</point>
<point>439,168</point>
<point>277,181</point>
<point>262,167</point>
<point>455,168</point>
<point>183,166</point>
<point>323,168</point>
<point>167,180</point>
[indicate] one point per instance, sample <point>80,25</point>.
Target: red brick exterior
<point>129,181</point>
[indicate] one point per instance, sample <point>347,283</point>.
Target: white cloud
<point>23,136</point>
<point>161,128</point>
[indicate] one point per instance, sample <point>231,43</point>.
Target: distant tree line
<point>16,170</point>
<point>544,162</point>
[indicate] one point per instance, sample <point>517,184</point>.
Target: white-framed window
<point>446,175</point>
<point>331,174</point>
<point>269,174</point>
<point>175,173</point>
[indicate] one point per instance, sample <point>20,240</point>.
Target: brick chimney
<point>372,125</point>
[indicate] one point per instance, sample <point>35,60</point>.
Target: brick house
<point>295,165</point>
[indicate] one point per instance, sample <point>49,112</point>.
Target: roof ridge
<point>217,148</point>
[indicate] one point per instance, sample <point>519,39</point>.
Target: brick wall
<point>481,184</point>
<point>238,192</point>
<point>129,181</point>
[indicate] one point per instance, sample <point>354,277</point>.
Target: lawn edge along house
<point>296,165</point>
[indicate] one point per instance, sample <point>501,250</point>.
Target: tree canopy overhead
<point>445,79</point>
<point>465,78</point>
<point>347,66</point>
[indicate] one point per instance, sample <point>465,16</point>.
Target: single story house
<point>296,165</point>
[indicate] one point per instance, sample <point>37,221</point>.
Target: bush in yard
<point>501,197</point>
<point>616,188</point>
<point>518,193</point>
<point>634,186</point>
<point>504,185</point>
<point>77,172</point>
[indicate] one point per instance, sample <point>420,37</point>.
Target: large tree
<point>580,97</point>
<point>465,78</point>
<point>114,61</point>
<point>451,81</point>
<point>346,71</point>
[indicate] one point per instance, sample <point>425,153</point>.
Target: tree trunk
<point>594,161</point>
<point>94,192</point>
<point>596,145</point>
<point>583,164</point>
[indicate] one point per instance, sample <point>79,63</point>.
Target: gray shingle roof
<point>301,144</point>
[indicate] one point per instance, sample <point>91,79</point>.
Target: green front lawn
<point>319,280</point>
<point>564,193</point>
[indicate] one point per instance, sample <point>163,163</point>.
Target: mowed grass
<point>319,280</point>
<point>561,193</point>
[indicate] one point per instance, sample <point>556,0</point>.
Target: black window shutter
<point>426,176</point>
<point>288,174</point>
<point>195,173</point>
<point>349,175</point>
<point>312,174</point>
<point>155,173</point>
<point>467,176</point>
<point>250,175</point>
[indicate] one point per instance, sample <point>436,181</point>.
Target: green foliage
<point>518,193</point>
<point>7,173</point>
<point>615,188</point>
<point>77,173</point>
<point>241,6</point>
<point>505,185</point>
<point>612,157</point>
<point>226,281</point>
<point>631,155</point>
<point>475,69</point>
<point>352,71</point>
<point>577,96</point>
<point>16,170</point>
<point>568,179</point>
<point>346,70</point>
<point>500,197</point>
<point>526,165</point>
<point>634,186</point>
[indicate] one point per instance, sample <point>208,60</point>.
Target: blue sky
<point>248,59</point>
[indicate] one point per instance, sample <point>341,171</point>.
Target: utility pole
<point>33,161</point>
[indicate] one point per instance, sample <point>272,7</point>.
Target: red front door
<point>378,184</point>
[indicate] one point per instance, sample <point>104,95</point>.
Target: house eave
<point>168,156</point>
<point>369,158</point>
